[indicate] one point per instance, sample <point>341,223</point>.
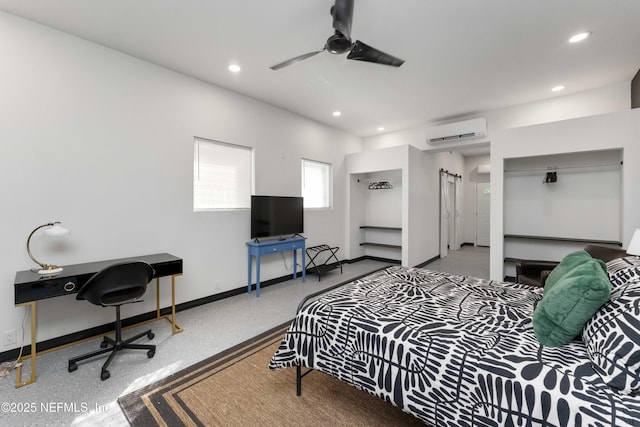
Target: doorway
<point>483,213</point>
<point>450,201</point>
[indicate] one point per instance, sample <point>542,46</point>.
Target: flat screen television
<point>276,216</point>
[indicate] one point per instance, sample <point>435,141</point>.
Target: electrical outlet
<point>9,337</point>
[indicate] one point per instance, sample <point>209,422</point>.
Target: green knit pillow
<point>565,308</point>
<point>567,264</point>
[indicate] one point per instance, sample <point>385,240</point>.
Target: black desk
<point>31,287</point>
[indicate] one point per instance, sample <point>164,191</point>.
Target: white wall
<point>619,130</point>
<point>602,100</point>
<point>104,143</point>
<point>383,208</point>
<point>422,211</point>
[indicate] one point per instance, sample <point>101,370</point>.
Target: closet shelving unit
<point>378,228</point>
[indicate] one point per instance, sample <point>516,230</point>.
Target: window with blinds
<point>222,175</point>
<point>316,184</point>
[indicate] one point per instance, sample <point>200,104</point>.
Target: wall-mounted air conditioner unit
<point>484,169</point>
<point>474,128</point>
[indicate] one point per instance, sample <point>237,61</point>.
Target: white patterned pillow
<point>623,270</point>
<point>612,335</point>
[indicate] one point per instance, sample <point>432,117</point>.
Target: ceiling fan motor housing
<point>338,43</point>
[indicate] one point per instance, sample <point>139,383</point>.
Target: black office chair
<point>116,285</point>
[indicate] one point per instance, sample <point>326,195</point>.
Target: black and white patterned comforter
<point>451,350</point>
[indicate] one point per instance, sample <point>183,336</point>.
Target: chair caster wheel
<point>104,374</point>
<point>151,353</point>
<point>104,344</point>
<point>151,335</point>
<point>72,367</point>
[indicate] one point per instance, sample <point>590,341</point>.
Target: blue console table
<point>257,249</point>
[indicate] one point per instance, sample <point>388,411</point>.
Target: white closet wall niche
<point>545,219</point>
<point>381,230</point>
<point>399,216</point>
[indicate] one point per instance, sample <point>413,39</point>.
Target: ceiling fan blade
<point>296,59</point>
<point>363,52</point>
<point>342,13</point>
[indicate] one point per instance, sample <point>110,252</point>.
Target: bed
<point>461,351</point>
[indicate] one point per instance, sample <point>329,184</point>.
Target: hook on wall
<point>550,177</point>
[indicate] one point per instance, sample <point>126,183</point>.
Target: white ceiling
<point>462,56</point>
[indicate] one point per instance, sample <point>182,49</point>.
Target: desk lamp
<point>55,230</point>
<point>634,244</point>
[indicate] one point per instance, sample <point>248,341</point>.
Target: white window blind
<point>222,175</point>
<point>316,184</point>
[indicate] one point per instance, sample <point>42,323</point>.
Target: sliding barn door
<point>457,203</point>
<point>450,202</point>
<point>444,215</point>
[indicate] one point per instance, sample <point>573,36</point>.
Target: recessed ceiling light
<point>380,129</point>
<point>337,113</point>
<point>234,68</point>
<point>579,37</point>
<point>557,88</point>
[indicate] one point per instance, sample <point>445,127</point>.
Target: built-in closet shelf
<point>562,239</point>
<point>375,227</point>
<point>383,229</point>
<point>381,245</point>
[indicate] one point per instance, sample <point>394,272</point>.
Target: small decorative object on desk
<point>55,230</point>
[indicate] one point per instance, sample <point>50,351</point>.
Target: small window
<point>222,175</point>
<point>316,184</point>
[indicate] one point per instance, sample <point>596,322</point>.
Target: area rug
<point>235,388</point>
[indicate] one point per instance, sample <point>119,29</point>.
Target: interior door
<point>457,203</point>
<point>450,198</point>
<point>451,208</point>
<point>483,213</point>
<point>444,215</point>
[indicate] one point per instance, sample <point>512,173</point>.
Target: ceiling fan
<point>340,41</point>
